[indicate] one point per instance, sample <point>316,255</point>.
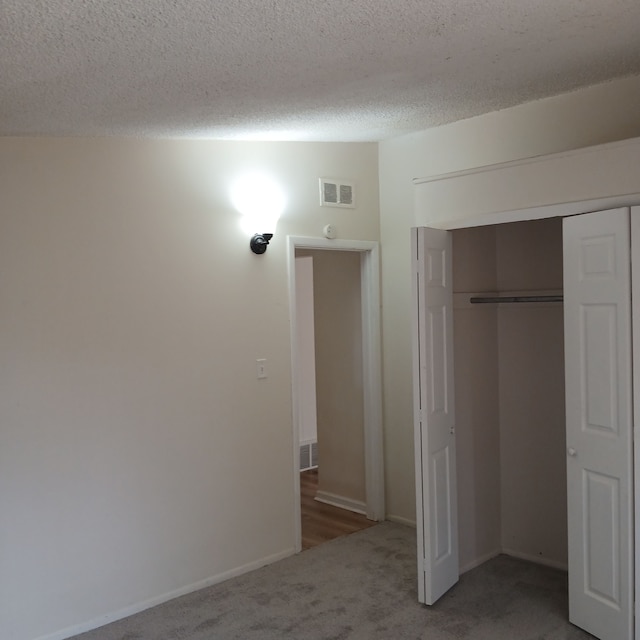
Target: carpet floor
<point>361,586</point>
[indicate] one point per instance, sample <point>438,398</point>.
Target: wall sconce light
<point>260,201</point>
<point>260,242</point>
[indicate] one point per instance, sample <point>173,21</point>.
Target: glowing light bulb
<point>260,200</point>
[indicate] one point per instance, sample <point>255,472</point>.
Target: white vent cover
<point>337,193</point>
<point>308,456</point>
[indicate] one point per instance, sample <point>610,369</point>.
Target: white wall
<point>591,116</point>
<point>139,454</point>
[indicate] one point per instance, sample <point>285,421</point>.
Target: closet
<point>509,392</point>
<point>523,403</point>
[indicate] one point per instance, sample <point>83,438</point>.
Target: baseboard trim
<point>481,560</point>
<point>357,506</point>
<point>554,564</point>
<point>153,602</point>
<point>400,520</point>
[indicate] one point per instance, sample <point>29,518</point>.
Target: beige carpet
<point>362,586</point>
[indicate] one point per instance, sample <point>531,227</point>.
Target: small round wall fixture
<point>260,242</point>
<point>330,232</point>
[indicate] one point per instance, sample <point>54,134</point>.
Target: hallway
<point>323,522</point>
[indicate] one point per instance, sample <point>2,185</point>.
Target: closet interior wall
<point>509,386</point>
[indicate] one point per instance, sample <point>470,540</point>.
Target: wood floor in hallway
<point>322,522</point>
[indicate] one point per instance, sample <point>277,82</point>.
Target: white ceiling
<point>296,69</point>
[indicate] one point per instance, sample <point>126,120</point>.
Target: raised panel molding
<point>600,367</point>
<point>438,361</point>
<point>601,512</point>
<point>437,269</point>
<point>442,488</point>
<point>598,258</point>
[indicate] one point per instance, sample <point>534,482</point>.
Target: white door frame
<point>371,369</point>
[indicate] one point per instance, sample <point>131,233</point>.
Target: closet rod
<point>516,299</point>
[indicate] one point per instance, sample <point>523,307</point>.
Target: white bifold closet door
<point>597,308</point>
<point>435,444</point>
<point>597,319</point>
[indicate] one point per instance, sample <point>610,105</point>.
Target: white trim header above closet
<point>560,184</point>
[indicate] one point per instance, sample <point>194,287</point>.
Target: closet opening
<point>534,382</point>
<point>509,392</point>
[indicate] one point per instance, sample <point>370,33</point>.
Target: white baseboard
<point>152,602</point>
<point>357,506</point>
<point>554,564</point>
<point>481,560</point>
<point>400,520</point>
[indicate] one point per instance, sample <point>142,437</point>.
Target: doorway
<point>329,331</point>
<point>365,257</point>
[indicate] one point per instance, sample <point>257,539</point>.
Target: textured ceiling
<point>296,69</point>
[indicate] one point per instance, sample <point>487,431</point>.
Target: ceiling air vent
<point>337,193</point>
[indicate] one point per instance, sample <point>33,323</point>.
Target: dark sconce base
<point>259,242</point>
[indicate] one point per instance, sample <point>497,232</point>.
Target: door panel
<point>597,309</point>
<point>602,500</point>
<point>434,414</point>
<point>442,502</point>
<point>599,370</point>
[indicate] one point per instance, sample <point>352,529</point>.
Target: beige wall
<point>509,383</point>
<point>531,390</point>
<point>591,116</point>
<point>339,379</point>
<point>139,454</point>
<point>532,432</point>
<point>529,255</point>
<point>476,381</point>
<point>306,348</point>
